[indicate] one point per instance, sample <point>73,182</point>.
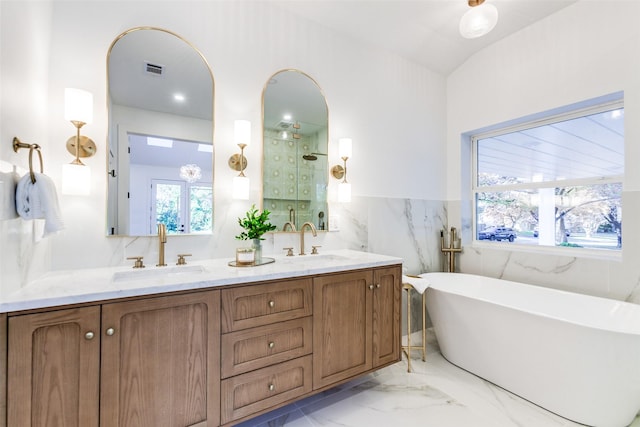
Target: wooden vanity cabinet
<point>159,364</point>
<point>197,359</point>
<point>356,322</point>
<point>266,346</point>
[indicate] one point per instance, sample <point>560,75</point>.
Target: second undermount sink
<point>148,273</point>
<point>317,258</point>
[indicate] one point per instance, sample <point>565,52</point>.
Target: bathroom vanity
<point>206,345</point>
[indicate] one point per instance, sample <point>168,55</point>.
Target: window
<point>181,214</point>
<point>556,182</point>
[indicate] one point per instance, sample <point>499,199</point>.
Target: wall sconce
<point>478,21</point>
<point>242,137</point>
<point>78,109</point>
<point>340,172</point>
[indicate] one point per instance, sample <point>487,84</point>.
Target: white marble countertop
<point>80,286</point>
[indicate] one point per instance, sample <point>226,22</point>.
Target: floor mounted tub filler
<point>575,355</point>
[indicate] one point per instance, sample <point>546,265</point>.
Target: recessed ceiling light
<point>287,117</point>
<point>179,97</point>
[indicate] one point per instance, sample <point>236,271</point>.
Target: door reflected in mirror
<point>160,159</point>
<point>295,144</point>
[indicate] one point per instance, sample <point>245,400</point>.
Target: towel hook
<point>17,144</point>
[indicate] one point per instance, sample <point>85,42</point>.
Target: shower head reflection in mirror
<point>164,129</point>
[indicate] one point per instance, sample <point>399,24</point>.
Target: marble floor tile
<point>435,394</point>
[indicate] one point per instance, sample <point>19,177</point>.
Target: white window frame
<point>550,119</point>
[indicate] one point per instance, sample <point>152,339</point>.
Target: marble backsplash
<point>406,228</point>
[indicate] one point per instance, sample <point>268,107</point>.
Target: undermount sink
<point>317,258</point>
<point>143,273</point>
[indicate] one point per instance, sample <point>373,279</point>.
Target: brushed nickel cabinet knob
<point>89,335</point>
<point>110,331</point>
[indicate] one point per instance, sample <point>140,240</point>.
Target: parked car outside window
<point>497,233</point>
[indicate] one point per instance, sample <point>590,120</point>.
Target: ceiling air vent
<point>154,69</point>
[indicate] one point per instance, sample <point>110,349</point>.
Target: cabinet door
<point>54,369</point>
<point>341,326</point>
<point>161,362</point>
<point>386,315</point>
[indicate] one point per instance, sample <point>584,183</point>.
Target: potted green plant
<point>255,224</point>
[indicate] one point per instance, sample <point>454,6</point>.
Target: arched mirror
<point>295,170</point>
<point>160,157</point>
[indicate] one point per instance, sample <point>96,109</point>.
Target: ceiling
<point>423,31</point>
<point>582,147</point>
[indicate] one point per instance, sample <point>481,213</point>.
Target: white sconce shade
<point>76,179</point>
<point>78,105</point>
<point>242,132</point>
<point>241,186</point>
<point>344,192</point>
<point>478,21</point>
<point>345,147</point>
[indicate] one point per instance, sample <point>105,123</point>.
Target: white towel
<point>419,284</point>
<point>8,183</point>
<point>39,200</point>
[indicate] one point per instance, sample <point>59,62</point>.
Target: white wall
<point>24,45</point>
<point>392,108</point>
<point>587,50</point>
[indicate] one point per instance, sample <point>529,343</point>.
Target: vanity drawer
<point>258,305</point>
<point>256,348</point>
<point>252,392</point>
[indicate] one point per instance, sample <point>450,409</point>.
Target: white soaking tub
<point>575,355</point>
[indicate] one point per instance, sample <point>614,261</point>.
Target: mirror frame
<point>326,104</point>
<point>109,130</point>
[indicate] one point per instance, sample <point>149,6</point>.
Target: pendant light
<point>479,20</point>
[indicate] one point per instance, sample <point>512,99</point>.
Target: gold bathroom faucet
<point>313,231</point>
<point>162,239</point>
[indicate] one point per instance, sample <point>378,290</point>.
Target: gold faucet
<point>289,224</point>
<point>162,239</point>
<point>313,231</point>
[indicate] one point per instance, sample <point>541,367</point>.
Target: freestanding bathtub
<point>575,355</point>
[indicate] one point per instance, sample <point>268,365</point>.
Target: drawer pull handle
<point>272,304</point>
<point>89,335</point>
<point>272,344</point>
<point>272,387</point>
<point>110,331</point>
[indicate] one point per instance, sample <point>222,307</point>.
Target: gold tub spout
<point>455,246</point>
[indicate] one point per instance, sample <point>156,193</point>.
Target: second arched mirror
<point>160,158</point>
<point>295,144</point>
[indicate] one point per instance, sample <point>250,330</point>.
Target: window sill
<point>600,254</point>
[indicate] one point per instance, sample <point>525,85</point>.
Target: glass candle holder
<point>245,256</point>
